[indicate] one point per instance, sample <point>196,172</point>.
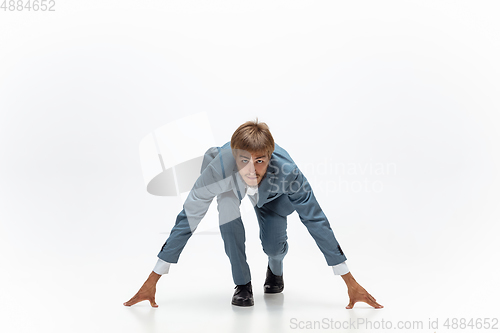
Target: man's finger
<point>350,305</point>
<point>368,299</point>
<point>153,303</point>
<point>374,304</point>
<point>129,303</point>
<point>132,301</point>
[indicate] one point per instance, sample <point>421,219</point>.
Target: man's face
<point>252,166</point>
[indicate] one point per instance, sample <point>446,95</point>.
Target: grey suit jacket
<point>284,189</point>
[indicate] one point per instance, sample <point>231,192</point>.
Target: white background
<point>408,84</point>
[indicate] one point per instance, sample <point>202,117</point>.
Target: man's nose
<point>251,167</point>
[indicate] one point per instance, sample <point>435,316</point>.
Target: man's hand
<point>147,291</point>
<point>358,293</point>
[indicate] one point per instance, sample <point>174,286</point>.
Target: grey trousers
<point>272,235</point>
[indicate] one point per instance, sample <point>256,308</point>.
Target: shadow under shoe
<point>274,284</point>
<point>243,295</point>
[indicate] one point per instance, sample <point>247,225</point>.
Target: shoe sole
<point>273,291</point>
<point>243,303</point>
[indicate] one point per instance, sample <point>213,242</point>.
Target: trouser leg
<point>233,235</point>
<point>273,237</point>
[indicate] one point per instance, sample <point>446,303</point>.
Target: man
<point>252,164</point>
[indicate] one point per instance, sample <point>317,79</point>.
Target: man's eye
<point>260,161</point>
<point>244,161</point>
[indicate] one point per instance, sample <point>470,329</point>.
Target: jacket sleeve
<point>312,216</point>
<point>208,185</point>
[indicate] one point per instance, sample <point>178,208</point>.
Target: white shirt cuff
<point>340,269</point>
<point>161,267</point>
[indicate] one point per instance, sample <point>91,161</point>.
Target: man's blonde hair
<point>253,137</point>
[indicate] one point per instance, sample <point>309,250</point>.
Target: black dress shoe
<point>274,284</point>
<point>243,295</point>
